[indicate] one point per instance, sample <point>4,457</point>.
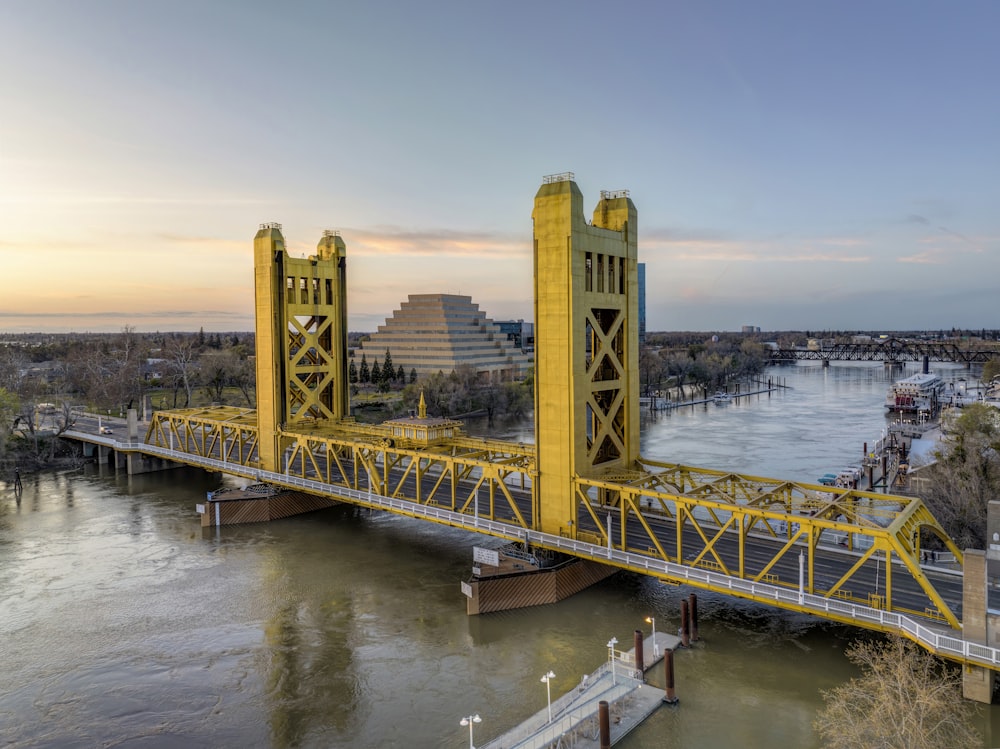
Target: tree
<point>181,366</point>
<point>966,476</point>
<point>110,374</point>
<point>12,363</point>
<point>364,375</point>
<point>243,376</point>
<point>352,373</point>
<point>220,370</point>
<point>905,699</point>
<point>376,374</point>
<point>991,369</point>
<point>10,405</point>
<point>387,367</point>
<point>385,378</point>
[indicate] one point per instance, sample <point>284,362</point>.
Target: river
<point>124,624</point>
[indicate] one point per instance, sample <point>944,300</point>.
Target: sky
<point>795,165</point>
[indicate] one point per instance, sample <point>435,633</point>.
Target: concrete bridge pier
<point>136,462</point>
<point>978,625</point>
<point>978,683</point>
<point>108,457</point>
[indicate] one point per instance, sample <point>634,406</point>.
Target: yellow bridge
<point>582,488</point>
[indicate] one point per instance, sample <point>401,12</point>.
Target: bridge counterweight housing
<point>587,344</point>
<point>301,322</point>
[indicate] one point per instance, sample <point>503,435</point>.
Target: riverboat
<point>919,392</point>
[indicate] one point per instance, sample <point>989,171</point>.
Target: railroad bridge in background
<point>891,351</point>
<point>583,488</point>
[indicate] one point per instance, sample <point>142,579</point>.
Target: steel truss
<point>889,350</point>
<point>717,516</point>
<point>748,527</point>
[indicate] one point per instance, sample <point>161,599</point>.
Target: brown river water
<point>124,624</point>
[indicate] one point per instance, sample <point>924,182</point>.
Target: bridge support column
<point>977,682</point>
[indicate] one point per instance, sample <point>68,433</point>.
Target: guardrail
<point>569,712</point>
<point>947,645</point>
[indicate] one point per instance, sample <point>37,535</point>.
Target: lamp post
<point>546,680</point>
<point>469,721</point>
<point>611,657</point>
<point>656,648</point>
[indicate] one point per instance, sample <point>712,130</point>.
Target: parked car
<point>106,430</point>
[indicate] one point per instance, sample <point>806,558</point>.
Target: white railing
<point>937,642</point>
<point>570,712</point>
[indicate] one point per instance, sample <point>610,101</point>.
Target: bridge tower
<point>586,344</point>
<point>301,324</point>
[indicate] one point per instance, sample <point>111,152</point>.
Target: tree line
<point>702,365</point>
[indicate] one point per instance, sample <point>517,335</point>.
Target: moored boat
<point>919,392</point>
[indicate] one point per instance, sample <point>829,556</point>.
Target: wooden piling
<point>668,665</point>
<point>640,661</point>
<point>604,718</point>
<point>693,614</point>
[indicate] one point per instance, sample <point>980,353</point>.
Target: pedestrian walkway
<point>575,714</point>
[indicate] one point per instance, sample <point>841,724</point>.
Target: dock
<point>660,403</point>
<point>575,720</point>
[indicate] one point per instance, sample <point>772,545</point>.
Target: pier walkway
<point>575,714</point>
<point>659,403</point>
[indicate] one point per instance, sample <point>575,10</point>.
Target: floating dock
<point>575,715</point>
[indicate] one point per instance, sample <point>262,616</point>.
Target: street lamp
<point>548,690</point>
<point>656,648</point>
<point>611,657</point>
<point>469,722</point>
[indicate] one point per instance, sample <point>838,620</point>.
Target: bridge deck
<point>730,545</point>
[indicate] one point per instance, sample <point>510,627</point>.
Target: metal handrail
<point>932,640</point>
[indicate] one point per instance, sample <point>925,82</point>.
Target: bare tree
<point>109,373</point>
<point>652,369</point>
<point>10,406</point>
<point>12,364</point>
<point>220,371</point>
<point>181,354</point>
<point>244,377</point>
<point>905,699</point>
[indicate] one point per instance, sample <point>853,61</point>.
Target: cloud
<point>936,256</point>
<point>961,237</point>
<point>915,218</point>
<point>945,245</point>
<point>208,244</point>
<point>122,315</point>
<point>73,199</point>
<point>437,242</point>
<point>704,247</point>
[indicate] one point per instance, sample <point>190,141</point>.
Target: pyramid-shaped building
<point>433,333</point>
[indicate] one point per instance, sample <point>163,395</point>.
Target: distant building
<point>518,332</point>
<point>641,279</point>
<point>750,329</point>
<point>432,333</point>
